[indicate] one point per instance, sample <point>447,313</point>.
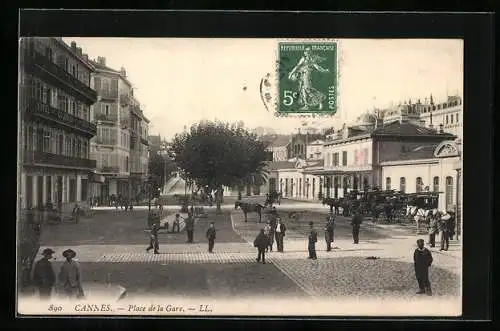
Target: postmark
<point>307,78</point>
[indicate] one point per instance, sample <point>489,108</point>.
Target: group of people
<point>69,278</point>
<point>189,226</point>
<point>442,224</point>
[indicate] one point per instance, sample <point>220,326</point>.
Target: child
<point>422,259</point>
<point>261,242</point>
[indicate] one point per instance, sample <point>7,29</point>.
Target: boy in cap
<point>261,242</point>
<point>44,277</point>
<point>70,276</point>
<point>211,237</point>
<point>313,238</point>
<point>422,259</point>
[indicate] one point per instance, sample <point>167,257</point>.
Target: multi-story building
<point>120,147</point>
<point>55,127</point>
<point>430,114</point>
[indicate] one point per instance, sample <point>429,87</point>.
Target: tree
<point>216,154</point>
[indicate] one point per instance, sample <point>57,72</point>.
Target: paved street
<point>111,249</point>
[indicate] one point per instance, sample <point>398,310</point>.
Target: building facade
<point>120,146</point>
<point>55,124</point>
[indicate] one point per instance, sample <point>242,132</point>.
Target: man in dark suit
<point>44,277</point>
<point>153,242</point>
<point>190,227</point>
<point>261,242</point>
<point>280,232</point>
<point>422,259</point>
<point>313,238</point>
<point>357,219</point>
<point>329,228</point>
<point>211,237</point>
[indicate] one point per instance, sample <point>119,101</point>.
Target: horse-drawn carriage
<point>420,206</point>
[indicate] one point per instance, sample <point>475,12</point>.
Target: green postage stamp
<point>307,78</point>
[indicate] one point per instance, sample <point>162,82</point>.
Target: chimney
<point>101,60</point>
<point>79,51</point>
<point>86,56</point>
<point>123,72</point>
<point>73,46</point>
<point>441,128</point>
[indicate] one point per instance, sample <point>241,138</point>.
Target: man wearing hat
<point>313,238</point>
<point>279,232</point>
<point>422,259</point>
<point>44,277</point>
<point>329,228</point>
<point>70,276</point>
<point>153,241</point>
<point>211,232</point>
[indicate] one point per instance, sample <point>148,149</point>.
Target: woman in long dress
<point>302,72</point>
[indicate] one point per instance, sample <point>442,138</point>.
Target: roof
<point>420,152</point>
<point>155,140</point>
<point>407,129</point>
<point>316,163</point>
<point>99,66</point>
<point>277,165</point>
<point>278,141</point>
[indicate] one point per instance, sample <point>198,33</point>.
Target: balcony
<point>109,170</point>
<point>106,118</point>
<point>107,94</point>
<point>49,159</point>
<point>44,111</point>
<point>42,65</point>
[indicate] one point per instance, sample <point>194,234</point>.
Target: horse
<point>333,203</point>
<point>247,207</point>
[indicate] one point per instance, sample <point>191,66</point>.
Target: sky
<point>182,81</point>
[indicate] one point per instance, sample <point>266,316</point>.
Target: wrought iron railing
<point>39,108</point>
<point>57,159</point>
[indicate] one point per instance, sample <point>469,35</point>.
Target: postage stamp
<point>307,78</point>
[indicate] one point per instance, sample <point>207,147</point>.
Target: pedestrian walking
<point>76,213</point>
<point>211,236</point>
<point>356,221</point>
<point>177,223</point>
<point>444,228</point>
<point>153,239</point>
<point>70,276</point>
<point>422,259</point>
<point>329,228</point>
<point>313,238</point>
<point>280,232</point>
<point>268,231</point>
<point>433,227</point>
<point>190,227</point>
<point>261,242</point>
<point>44,277</point>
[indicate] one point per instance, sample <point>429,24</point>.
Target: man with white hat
<point>44,277</point>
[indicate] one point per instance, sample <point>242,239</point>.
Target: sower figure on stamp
<point>70,276</point>
<point>357,219</point>
<point>313,238</point>
<point>211,237</point>
<point>422,259</point>
<point>329,228</point>
<point>261,242</point>
<point>279,231</point>
<point>153,239</point>
<point>44,277</point>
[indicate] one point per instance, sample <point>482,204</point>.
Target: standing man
<point>330,226</point>
<point>313,238</point>
<point>76,213</point>
<point>177,223</point>
<point>153,241</point>
<point>261,242</point>
<point>44,277</point>
<point>268,231</point>
<point>211,237</point>
<point>444,228</point>
<point>357,219</point>
<point>70,276</point>
<point>433,227</point>
<point>422,259</point>
<point>190,227</point>
<point>280,233</point>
